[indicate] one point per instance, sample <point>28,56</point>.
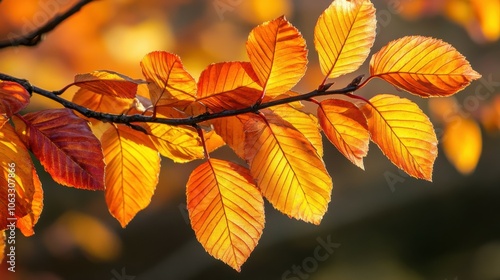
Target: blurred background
<point>381,224</point>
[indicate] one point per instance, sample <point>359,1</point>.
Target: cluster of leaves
<point>248,106</point>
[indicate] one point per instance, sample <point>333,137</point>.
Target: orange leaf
<point>307,124</point>
<point>345,126</point>
<point>403,133</point>
<point>278,55</point>
<point>13,98</point>
<point>132,168</point>
<point>423,66</point>
<point>343,36</point>
<point>100,102</point>
<point>66,147</point>
<point>179,143</point>
<point>169,83</point>
<point>462,144</point>
<point>228,86</point>
<point>231,129</point>
<point>16,181</point>
<point>287,168</point>
<point>26,223</point>
<point>226,210</point>
<point>108,83</point>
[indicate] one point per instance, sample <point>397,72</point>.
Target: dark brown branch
<point>35,37</point>
<point>128,119</point>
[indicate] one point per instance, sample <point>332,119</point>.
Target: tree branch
<point>35,36</point>
<point>128,119</point>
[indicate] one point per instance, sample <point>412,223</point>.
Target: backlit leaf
<point>307,124</point>
<point>26,223</point>
<point>13,98</point>
<point>462,144</point>
<point>278,55</point>
<point>403,133</point>
<point>232,131</point>
<point>179,143</point>
<point>228,85</point>
<point>101,102</point>
<point>108,83</point>
<point>66,147</point>
<point>343,36</point>
<point>423,66</point>
<point>16,181</point>
<point>345,126</point>
<point>226,210</point>
<point>132,168</point>
<point>287,168</point>
<point>169,83</point>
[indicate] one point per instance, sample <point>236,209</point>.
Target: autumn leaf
<point>13,98</point>
<point>28,222</point>
<point>226,210</point>
<point>278,55</point>
<point>228,86</point>
<point>169,83</point>
<point>65,146</point>
<point>287,168</point>
<point>232,131</point>
<point>403,133</point>
<point>343,36</point>
<point>423,66</point>
<point>132,168</point>
<point>108,83</point>
<point>307,124</point>
<point>179,143</point>
<point>16,182</point>
<point>462,144</point>
<point>346,128</point>
<point>101,102</point>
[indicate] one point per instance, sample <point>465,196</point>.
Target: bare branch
<point>35,37</point>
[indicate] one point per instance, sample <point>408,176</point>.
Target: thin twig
<point>128,119</point>
<point>35,37</point>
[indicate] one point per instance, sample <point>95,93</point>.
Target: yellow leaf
<point>226,210</point>
<point>278,55</point>
<point>423,66</point>
<point>132,168</point>
<point>345,126</point>
<point>403,133</point>
<point>228,86</point>
<point>343,36</point>
<point>26,223</point>
<point>101,102</point>
<point>170,85</point>
<point>108,83</point>
<point>16,182</point>
<point>307,124</point>
<point>462,144</point>
<point>287,168</point>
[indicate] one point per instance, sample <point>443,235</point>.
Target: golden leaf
<point>132,168</point>
<point>278,55</point>
<point>343,36</point>
<point>226,210</point>
<point>287,168</point>
<point>423,66</point>
<point>108,83</point>
<point>345,126</point>
<point>403,133</point>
